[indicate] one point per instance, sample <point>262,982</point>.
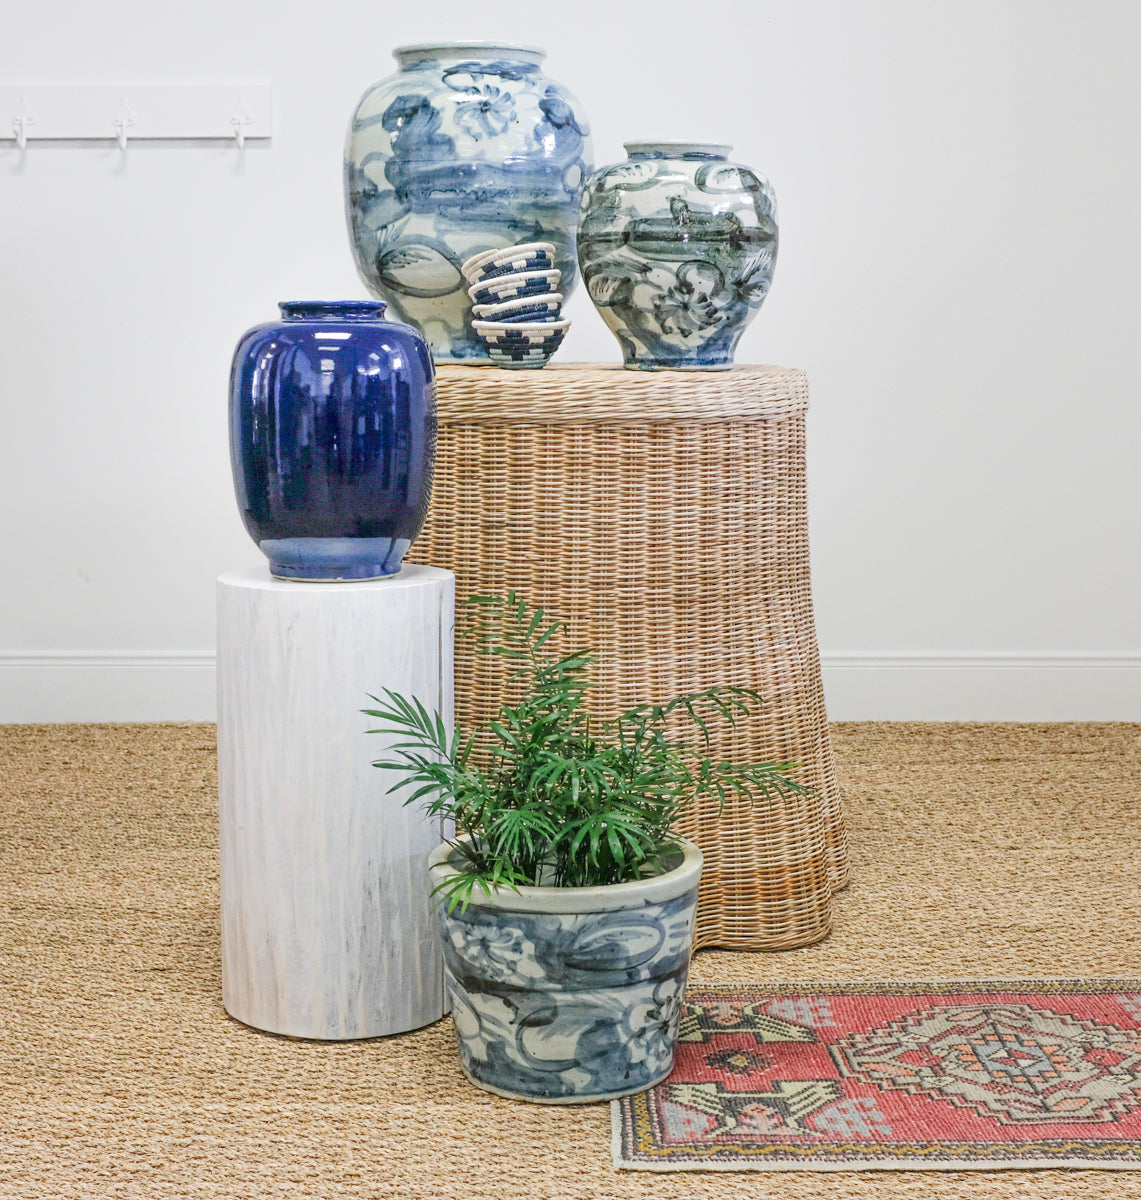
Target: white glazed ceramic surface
<point>469,147</point>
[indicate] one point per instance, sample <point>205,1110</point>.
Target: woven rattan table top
<point>609,394</point>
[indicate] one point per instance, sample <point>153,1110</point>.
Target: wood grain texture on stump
<point>663,515</point>
<point>327,928</point>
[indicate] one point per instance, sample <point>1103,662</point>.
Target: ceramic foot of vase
<point>331,559</point>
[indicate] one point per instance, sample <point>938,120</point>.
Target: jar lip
<point>332,310</point>
<point>509,50</point>
<point>666,149</point>
<point>680,877</point>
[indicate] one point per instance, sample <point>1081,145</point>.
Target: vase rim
<point>418,50</point>
<point>668,149</point>
<point>332,310</point>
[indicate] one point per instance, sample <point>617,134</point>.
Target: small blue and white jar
<point>333,439</point>
<point>468,147</point>
<point>569,995</point>
<point>677,247</point>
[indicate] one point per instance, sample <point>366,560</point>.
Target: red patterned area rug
<point>900,1076</point>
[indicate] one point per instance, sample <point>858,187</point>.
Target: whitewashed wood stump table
<point>327,926</point>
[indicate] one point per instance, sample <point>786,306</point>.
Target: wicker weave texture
<point>664,517</point>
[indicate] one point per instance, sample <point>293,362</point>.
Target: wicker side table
<point>663,515</point>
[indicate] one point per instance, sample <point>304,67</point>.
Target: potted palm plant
<point>566,902</point>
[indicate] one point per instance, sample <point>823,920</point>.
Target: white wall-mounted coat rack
<point>134,112</point>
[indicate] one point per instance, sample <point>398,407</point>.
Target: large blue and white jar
<point>333,439</point>
<point>677,247</point>
<point>468,147</point>
<point>569,995</point>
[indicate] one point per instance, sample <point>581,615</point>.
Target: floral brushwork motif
<point>567,1007</point>
<point>488,115</point>
<point>677,249</point>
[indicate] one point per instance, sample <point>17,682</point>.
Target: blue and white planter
<point>570,995</point>
<point>469,147</point>
<point>677,247</point>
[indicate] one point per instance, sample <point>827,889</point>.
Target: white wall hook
<point>21,121</point>
<point>122,123</point>
<point>240,120</point>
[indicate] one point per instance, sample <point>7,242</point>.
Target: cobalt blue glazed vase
<point>333,439</point>
<point>468,147</point>
<point>570,995</point>
<point>677,247</point>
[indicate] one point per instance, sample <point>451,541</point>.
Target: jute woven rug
<point>979,851</point>
<point>922,1077</point>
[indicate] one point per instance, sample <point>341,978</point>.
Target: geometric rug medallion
<point>945,1076</point>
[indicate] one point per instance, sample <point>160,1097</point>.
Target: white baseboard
<point>106,687</point>
<point>858,687</point>
<point>982,687</point>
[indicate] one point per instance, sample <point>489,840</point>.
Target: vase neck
<point>332,310</point>
<point>452,52</point>
<point>694,150</point>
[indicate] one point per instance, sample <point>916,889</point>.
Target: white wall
<point>961,250</point>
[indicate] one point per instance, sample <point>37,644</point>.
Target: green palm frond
<point>560,797</point>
